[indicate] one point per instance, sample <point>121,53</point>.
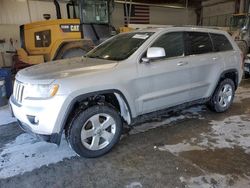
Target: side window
<point>42,39</point>
<point>198,43</point>
<point>173,44</point>
<point>220,43</point>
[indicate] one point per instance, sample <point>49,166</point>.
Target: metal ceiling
<point>168,3</point>
<point>184,3</point>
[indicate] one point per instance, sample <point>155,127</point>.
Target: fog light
<point>33,119</point>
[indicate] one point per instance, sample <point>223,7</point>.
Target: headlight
<point>40,91</point>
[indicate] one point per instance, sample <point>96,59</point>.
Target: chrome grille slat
<point>14,89</point>
<point>21,93</point>
<point>17,97</point>
<point>18,91</point>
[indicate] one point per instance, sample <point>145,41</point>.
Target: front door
<point>168,78</point>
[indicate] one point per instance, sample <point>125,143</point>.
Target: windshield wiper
<point>97,57</point>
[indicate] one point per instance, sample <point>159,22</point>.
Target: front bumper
<point>48,115</point>
<point>53,138</point>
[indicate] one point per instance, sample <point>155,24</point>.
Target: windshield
<point>95,11</point>
<point>120,47</point>
<point>73,10</point>
<point>238,21</point>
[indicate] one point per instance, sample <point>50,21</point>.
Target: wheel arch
<point>231,74</point>
<point>78,103</point>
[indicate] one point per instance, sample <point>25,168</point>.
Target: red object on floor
<point>18,65</point>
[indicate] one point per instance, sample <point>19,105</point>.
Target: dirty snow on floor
<point>26,154</point>
<point>180,147</point>
<point>5,116</point>
<point>231,132</point>
<point>241,94</point>
<point>192,112</point>
<point>134,185</point>
<point>228,133</point>
<point>216,181</point>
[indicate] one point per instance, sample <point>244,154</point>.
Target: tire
<point>89,135</point>
<point>223,96</point>
<point>76,52</point>
<point>74,49</point>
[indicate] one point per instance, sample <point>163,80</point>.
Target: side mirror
<point>154,53</point>
<point>145,60</point>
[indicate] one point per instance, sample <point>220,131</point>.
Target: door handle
<point>182,63</point>
<point>215,58</point>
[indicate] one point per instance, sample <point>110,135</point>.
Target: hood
<point>48,72</point>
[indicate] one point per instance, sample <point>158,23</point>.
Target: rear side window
<point>198,43</point>
<point>220,43</point>
<point>173,44</point>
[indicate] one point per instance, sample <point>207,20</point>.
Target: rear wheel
<point>75,52</point>
<point>94,131</point>
<point>74,49</point>
<point>223,96</point>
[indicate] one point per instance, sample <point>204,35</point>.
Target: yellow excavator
<point>240,30</point>
<point>87,25</point>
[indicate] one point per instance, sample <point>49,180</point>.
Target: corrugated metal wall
<point>17,11</point>
<point>13,12</point>
<point>218,14</point>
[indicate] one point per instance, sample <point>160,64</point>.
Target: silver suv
<point>132,74</point>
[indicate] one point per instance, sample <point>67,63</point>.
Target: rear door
<point>204,63</point>
<point>168,78</point>
<point>225,49</point>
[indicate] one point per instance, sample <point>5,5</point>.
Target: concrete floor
<point>194,148</point>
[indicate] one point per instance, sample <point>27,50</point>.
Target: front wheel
<point>223,96</point>
<point>94,131</point>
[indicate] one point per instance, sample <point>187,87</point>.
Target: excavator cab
<point>239,21</point>
<point>87,25</point>
<point>240,31</point>
<point>95,19</point>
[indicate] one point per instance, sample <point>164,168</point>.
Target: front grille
<point>18,91</point>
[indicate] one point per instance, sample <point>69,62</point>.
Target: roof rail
<point>199,26</point>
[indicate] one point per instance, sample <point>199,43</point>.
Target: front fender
<point>68,107</point>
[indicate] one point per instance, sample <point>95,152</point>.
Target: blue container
<point>6,74</point>
<point>3,99</point>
